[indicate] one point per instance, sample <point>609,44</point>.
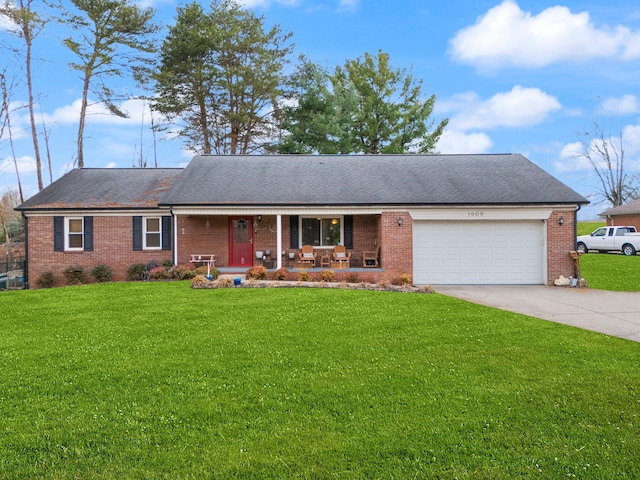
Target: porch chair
<point>341,255</point>
<point>307,255</point>
<point>370,259</point>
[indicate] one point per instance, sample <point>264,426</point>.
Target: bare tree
<point>5,115</point>
<point>28,25</point>
<point>112,38</point>
<point>10,220</point>
<point>605,154</point>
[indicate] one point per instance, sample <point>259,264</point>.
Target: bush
<point>199,281</point>
<point>74,275</point>
<point>158,273</point>
<point>280,274</point>
<point>406,279</point>
<point>303,276</point>
<point>101,273</point>
<point>184,272</point>
<point>352,278</point>
<point>257,273</point>
<point>46,280</point>
<point>327,276</point>
<point>135,272</point>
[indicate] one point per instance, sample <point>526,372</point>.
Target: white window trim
<point>67,232</point>
<point>315,217</point>
<point>144,233</point>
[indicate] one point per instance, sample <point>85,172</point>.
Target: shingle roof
<point>631,208</point>
<point>105,188</point>
<point>305,180</point>
<point>367,180</point>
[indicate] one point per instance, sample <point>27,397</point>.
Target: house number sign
<point>475,213</point>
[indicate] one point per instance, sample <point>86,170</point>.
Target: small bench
<point>208,258</point>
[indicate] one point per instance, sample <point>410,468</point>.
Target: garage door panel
<point>478,252</point>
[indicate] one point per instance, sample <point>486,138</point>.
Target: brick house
<point>627,214</point>
<point>444,219</point>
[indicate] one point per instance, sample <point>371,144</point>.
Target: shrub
<point>327,276</point>
<point>406,279</point>
<point>225,282</point>
<point>199,281</point>
<point>281,274</point>
<point>136,272</point>
<point>46,280</point>
<point>303,276</point>
<point>184,272</point>
<point>74,275</point>
<point>352,278</point>
<point>168,263</point>
<point>101,273</point>
<point>257,273</point>
<point>158,273</point>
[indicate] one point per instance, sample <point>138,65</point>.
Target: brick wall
<point>560,240</point>
<point>201,234</point>
<point>624,220</point>
<point>112,246</point>
<point>396,246</point>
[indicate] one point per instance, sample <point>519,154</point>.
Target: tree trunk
<point>83,113</point>
<point>34,132</point>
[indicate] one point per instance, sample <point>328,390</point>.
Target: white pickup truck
<point>607,239</point>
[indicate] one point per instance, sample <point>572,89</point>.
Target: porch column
<point>279,241</point>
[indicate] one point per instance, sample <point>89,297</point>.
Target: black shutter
<point>293,231</point>
<point>348,231</point>
<point>137,233</point>
<point>88,234</point>
<point>58,234</point>
<point>166,233</point>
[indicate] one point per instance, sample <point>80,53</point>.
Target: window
<point>321,232</point>
<point>152,233</point>
<point>74,234</point>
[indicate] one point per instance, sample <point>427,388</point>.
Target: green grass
<point>155,380</point>
<point>585,228</point>
<point>611,271</point>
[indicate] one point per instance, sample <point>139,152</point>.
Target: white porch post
<point>279,241</point>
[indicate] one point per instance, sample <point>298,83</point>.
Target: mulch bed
<point>201,282</point>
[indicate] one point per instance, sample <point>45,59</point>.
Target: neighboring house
<point>627,214</point>
<point>444,219</point>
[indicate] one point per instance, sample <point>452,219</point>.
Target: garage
<point>477,252</point>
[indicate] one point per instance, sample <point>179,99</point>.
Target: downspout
<point>25,268</point>
<point>575,227</point>
<point>175,236</point>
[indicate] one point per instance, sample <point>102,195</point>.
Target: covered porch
<point>241,239</point>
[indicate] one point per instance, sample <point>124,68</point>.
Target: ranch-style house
<point>444,219</point>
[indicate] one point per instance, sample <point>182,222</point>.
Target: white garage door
<point>478,252</point>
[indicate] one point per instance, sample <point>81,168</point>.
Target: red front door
<point>241,241</point>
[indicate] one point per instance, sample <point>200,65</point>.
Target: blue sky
<point>512,76</point>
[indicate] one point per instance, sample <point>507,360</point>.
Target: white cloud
<point>136,109</point>
<point>572,158</point>
<point>624,105</point>
<point>111,165</point>
<point>519,107</point>
<point>453,141</point>
<point>26,165</point>
<point>508,36</point>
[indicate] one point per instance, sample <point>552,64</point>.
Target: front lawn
<point>156,380</point>
<point>611,271</point>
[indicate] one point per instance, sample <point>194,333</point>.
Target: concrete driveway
<point>613,313</point>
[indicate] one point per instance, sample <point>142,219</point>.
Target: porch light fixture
<point>399,221</point>
<point>561,221</point>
